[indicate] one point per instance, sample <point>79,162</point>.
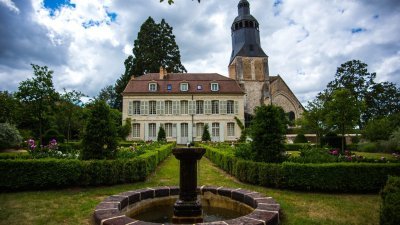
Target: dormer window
<point>169,87</point>
<point>199,87</point>
<point>184,86</point>
<point>214,87</point>
<point>153,87</point>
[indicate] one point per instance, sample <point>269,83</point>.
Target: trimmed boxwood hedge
<point>390,208</point>
<point>31,174</point>
<point>337,177</point>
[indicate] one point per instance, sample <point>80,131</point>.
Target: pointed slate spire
<point>245,34</point>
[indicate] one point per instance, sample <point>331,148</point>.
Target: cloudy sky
<point>85,42</point>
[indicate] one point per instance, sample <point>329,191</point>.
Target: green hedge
<point>27,174</point>
<point>337,177</point>
<point>390,208</point>
<point>15,155</point>
<point>295,147</point>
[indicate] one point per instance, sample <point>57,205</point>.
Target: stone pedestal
<point>187,209</point>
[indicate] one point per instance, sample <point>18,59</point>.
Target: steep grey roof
<point>245,34</point>
<point>140,85</point>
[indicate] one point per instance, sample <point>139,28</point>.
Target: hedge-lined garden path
<point>75,205</point>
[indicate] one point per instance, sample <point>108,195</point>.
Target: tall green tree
<point>38,95</point>
<point>313,119</point>
<point>154,47</point>
<point>342,112</point>
<point>9,109</point>
<point>100,138</point>
<point>353,75</point>
<point>268,129</point>
<point>121,83</point>
<point>382,100</point>
<point>70,105</point>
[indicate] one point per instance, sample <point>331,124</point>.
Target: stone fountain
<point>187,203</point>
<point>187,209</point>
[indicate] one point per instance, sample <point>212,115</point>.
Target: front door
<point>184,133</point>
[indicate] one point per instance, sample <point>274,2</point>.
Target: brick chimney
<point>163,73</point>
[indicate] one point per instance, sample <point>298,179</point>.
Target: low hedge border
<point>337,177</point>
<point>32,174</point>
<point>390,208</point>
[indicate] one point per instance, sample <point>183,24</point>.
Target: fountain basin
<point>258,209</point>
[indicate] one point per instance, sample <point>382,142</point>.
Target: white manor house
<point>184,102</point>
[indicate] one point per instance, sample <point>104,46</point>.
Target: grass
<point>76,205</point>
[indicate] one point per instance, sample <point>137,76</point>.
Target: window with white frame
<point>231,129</point>
<point>230,107</point>
<point>168,107</point>
<point>184,107</point>
<point>152,130</point>
<point>184,86</point>
<point>152,107</point>
<point>136,107</point>
<point>214,87</point>
<point>199,107</point>
<point>152,86</point>
<point>136,130</point>
<point>168,129</point>
<point>215,107</point>
<point>215,129</point>
<point>199,129</point>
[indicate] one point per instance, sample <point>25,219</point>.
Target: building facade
<point>183,104</point>
<point>248,65</point>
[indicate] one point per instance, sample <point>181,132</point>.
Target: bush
<point>378,129</point>
<point>337,177</point>
<point>100,138</point>
<point>161,136</point>
<point>22,174</point>
<point>332,140</point>
<point>52,134</point>
<point>244,151</point>
<point>206,134</point>
<point>300,138</point>
<point>294,147</point>
<point>309,154</point>
<point>9,136</point>
<point>267,130</point>
<point>390,208</point>
<point>368,147</point>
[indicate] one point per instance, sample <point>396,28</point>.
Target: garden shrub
<point>32,174</point>
<point>52,134</point>
<point>337,177</point>
<point>161,136</point>
<point>206,134</point>
<point>390,208</point>
<point>9,136</point>
<point>309,154</point>
<point>332,140</point>
<point>294,147</point>
<point>244,151</point>
<point>267,130</point>
<point>300,138</point>
<point>368,147</point>
<point>100,138</point>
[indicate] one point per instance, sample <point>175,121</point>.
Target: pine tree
<point>206,134</point>
<point>154,47</point>
<point>100,138</point>
<point>161,136</point>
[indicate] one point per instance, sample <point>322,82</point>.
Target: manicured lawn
<point>75,205</point>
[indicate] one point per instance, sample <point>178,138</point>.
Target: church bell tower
<point>248,64</point>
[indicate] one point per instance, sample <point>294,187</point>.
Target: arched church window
<point>251,24</point>
<point>240,24</point>
<point>236,26</point>
<point>291,116</point>
<point>246,23</point>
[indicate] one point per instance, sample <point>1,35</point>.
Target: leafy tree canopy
<point>268,129</point>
